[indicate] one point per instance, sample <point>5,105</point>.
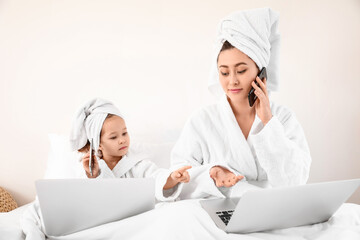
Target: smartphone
<point>90,159</point>
<point>251,96</point>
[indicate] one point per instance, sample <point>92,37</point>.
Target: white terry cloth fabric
<point>138,165</point>
<point>132,165</point>
<point>255,33</point>
<point>276,153</point>
<point>31,222</point>
<point>88,122</point>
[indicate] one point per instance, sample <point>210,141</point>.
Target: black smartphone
<point>251,96</point>
<point>91,164</point>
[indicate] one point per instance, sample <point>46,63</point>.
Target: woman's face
<point>114,139</point>
<point>236,72</point>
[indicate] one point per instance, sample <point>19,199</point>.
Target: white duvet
<point>186,220</point>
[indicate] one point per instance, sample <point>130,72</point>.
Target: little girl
<point>100,121</point>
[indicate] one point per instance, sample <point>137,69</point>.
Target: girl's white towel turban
<point>255,33</point>
<point>88,123</point>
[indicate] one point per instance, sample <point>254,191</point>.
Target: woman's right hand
<point>95,165</point>
<point>223,177</point>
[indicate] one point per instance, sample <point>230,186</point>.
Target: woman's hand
<point>180,175</point>
<point>223,177</point>
<point>95,165</point>
<point>262,104</point>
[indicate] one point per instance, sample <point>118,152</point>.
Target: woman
<point>231,140</point>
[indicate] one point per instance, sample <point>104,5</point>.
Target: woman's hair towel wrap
<point>255,33</point>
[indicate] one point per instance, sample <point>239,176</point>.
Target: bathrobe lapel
<point>125,164</point>
<point>241,156</point>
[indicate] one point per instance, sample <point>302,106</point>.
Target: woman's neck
<point>242,109</point>
<point>111,161</point>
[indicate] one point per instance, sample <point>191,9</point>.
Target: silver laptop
<point>276,208</point>
<point>71,205</point>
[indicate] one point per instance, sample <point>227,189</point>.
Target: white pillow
<point>159,153</point>
<point>64,163</point>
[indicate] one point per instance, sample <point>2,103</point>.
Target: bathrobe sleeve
<point>282,150</point>
<point>148,169</point>
<point>191,149</point>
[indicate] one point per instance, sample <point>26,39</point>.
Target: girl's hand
<point>180,175</point>
<point>262,104</point>
<point>95,165</point>
<point>223,177</point>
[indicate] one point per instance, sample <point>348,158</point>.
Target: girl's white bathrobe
<point>276,154</point>
<point>132,165</point>
<point>138,165</point>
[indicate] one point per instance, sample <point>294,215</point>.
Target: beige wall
<point>152,59</point>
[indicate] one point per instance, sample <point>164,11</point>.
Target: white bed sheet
<point>187,220</point>
<point>10,224</point>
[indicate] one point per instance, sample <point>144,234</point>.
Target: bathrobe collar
<point>239,147</point>
<point>127,162</point>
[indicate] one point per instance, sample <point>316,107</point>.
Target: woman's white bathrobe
<point>276,154</point>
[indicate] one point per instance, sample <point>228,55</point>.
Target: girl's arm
<point>191,150</point>
<point>177,176</point>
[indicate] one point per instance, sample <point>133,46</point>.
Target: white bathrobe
<point>138,165</point>
<point>276,154</point>
<point>132,165</point>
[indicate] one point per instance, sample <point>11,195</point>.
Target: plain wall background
<point>152,59</point>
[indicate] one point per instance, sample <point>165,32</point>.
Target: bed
<point>187,220</point>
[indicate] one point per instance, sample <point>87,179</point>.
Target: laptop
<point>277,208</point>
<point>71,205</point>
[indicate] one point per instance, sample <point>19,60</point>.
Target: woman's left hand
<point>262,104</point>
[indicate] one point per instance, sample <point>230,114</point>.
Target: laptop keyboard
<point>225,216</point>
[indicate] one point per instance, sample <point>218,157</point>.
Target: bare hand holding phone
<point>93,165</point>
<point>252,96</point>
<point>261,98</point>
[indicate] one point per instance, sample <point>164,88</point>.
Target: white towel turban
<point>88,123</point>
<point>255,33</point>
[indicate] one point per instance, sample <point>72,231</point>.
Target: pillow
<point>64,163</point>
<point>159,153</point>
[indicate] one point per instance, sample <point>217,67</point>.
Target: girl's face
<point>236,72</point>
<point>114,138</point>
